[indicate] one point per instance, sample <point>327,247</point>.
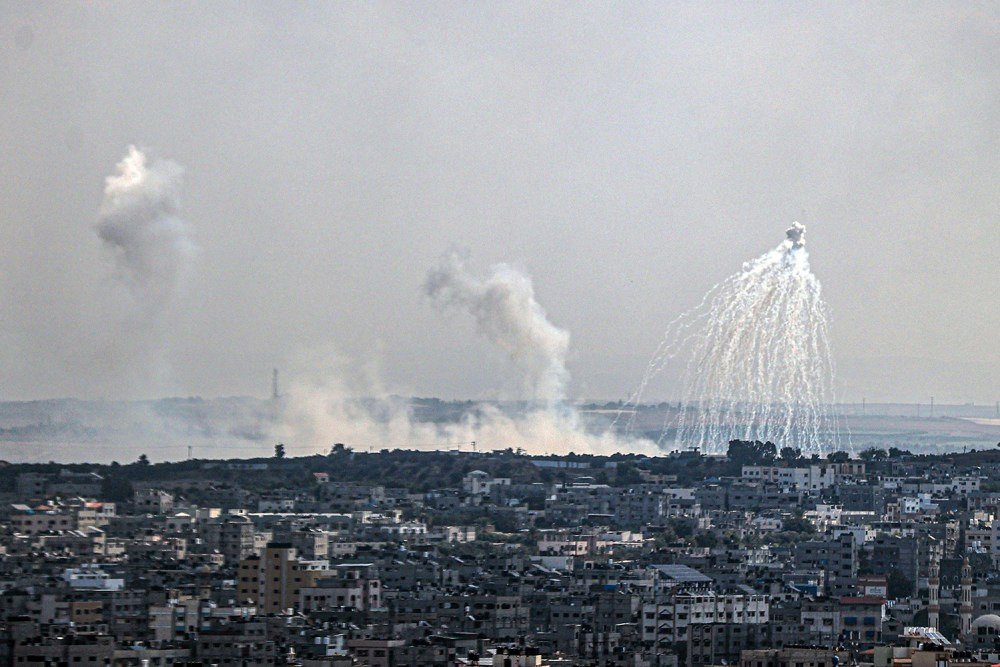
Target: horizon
<point>173,428</point>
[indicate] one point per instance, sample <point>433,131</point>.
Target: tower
<point>933,587</point>
<point>274,385</point>
<point>965,609</point>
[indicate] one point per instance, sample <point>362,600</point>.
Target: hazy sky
<point>627,155</point>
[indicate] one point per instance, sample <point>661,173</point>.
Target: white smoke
<point>324,406</point>
<point>329,401</point>
<point>140,226</point>
<point>754,359</point>
<point>509,316</point>
<point>151,247</point>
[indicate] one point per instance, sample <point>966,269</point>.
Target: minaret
<point>933,586</point>
<point>965,610</point>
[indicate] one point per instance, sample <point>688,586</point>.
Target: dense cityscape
<point>758,557</point>
<point>499,334</point>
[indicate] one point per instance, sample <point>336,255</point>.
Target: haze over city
<point>319,160</point>
<point>499,334</point>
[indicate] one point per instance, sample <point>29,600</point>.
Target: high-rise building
<point>273,580</point>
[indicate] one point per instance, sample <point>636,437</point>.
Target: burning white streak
<point>758,359</point>
<point>507,314</point>
<point>140,226</point>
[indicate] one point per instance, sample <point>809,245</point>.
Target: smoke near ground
<point>508,315</point>
<point>103,431</point>
<point>326,404</point>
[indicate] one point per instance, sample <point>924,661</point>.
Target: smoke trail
<point>139,225</point>
<point>507,314</point>
<point>758,359</point>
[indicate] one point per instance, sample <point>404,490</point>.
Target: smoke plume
<point>508,315</point>
<point>140,226</point>
<point>323,406</point>
<point>328,401</point>
<point>796,234</point>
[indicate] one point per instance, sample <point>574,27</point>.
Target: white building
<point>665,623</point>
<point>807,478</point>
<point>479,483</point>
<point>91,576</point>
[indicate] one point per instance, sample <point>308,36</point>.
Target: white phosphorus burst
<point>756,360</point>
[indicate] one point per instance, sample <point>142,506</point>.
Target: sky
<point>627,156</point>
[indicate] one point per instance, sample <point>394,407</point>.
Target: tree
<point>797,523</point>
<point>666,536</point>
<point>143,460</point>
<point>768,451</point>
<point>116,489</point>
<point>626,474</point>
<point>755,452</point>
<point>681,528</point>
<point>279,451</point>
<point>838,457</point>
<point>873,454</point>
<point>790,454</point>
<point>706,539</point>
<point>899,585</point>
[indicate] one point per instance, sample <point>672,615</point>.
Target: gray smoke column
<point>507,313</point>
<point>796,234</point>
<point>139,224</point>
